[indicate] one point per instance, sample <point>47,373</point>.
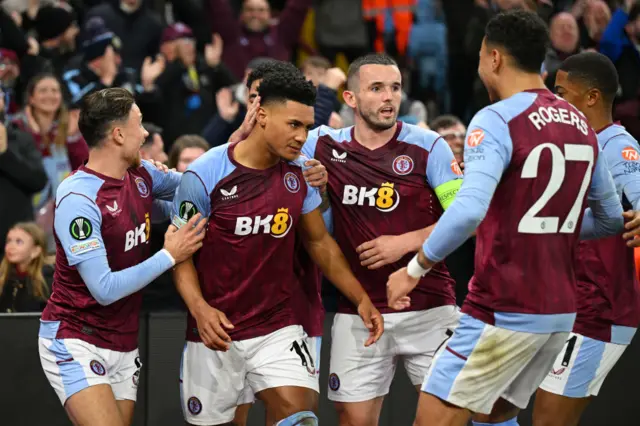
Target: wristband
<point>415,270</point>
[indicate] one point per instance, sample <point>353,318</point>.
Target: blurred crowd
<point>187,62</point>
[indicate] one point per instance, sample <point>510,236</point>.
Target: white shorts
<point>212,382</point>
<point>314,344</point>
<point>359,373</point>
<point>581,367</point>
<point>72,365</point>
<point>482,363</point>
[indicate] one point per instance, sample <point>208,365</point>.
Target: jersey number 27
<point>530,222</point>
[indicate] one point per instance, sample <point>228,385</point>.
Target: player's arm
<point>165,183</point>
<point>484,164</point>
<point>604,215</point>
<point>192,197</point>
<point>326,253</point>
<point>77,224</point>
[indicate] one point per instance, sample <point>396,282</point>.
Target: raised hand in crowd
<point>213,51</point>
<point>151,70</point>
<point>334,78</point>
<point>108,67</point>
<point>228,107</point>
<point>34,47</point>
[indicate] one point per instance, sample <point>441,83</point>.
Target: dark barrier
<point>26,399</point>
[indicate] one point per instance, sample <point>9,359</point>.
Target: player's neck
<point>107,163</point>
<point>371,138</point>
<point>519,82</point>
<point>254,154</point>
<point>598,120</point>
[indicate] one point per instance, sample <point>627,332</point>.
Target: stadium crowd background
<point>186,61</point>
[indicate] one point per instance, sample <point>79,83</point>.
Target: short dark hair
<point>444,121</point>
<point>182,143</point>
<point>267,67</point>
<point>100,110</point>
<point>285,85</point>
<point>369,59</point>
<point>593,70</point>
<point>316,62</point>
<point>153,130</point>
<point>523,34</point>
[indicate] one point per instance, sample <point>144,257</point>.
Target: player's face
<point>252,94</point>
<point>572,92</point>
<point>286,126</point>
<point>454,136</point>
<point>486,71</point>
<point>133,135</point>
<point>20,248</point>
<point>378,95</point>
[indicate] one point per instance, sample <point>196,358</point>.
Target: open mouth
<point>387,112</point>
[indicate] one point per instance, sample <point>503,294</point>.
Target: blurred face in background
<point>596,18</point>
<point>377,95</point>
<point>188,156</point>
<point>454,136</point>
<point>130,6</point>
<point>315,74</point>
<point>154,150</point>
<point>509,4</point>
<point>564,33</point>
<point>20,248</point>
<point>186,50</point>
<point>46,97</point>
<point>256,15</point>
<point>633,30</point>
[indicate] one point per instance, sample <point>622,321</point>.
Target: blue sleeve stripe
<point>200,179</point>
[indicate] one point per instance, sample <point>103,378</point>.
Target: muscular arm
<point>327,255</point>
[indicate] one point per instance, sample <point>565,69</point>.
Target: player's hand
<point>211,327</point>
<point>372,320</point>
<point>182,243</point>
<point>632,217</point>
<point>399,285</point>
<point>316,174</point>
<point>382,251</point>
<point>160,166</point>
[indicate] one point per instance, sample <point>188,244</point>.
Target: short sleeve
<point>78,224</point>
<point>164,183</point>
<point>623,160</point>
<point>312,200</point>
<point>444,174</point>
<point>488,145</point>
<point>191,198</point>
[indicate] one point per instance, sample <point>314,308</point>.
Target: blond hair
<point>36,282</point>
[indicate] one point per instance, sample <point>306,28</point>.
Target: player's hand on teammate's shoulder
<point>211,327</point>
<point>382,251</point>
<point>399,285</point>
<point>632,225</point>
<point>160,166</point>
<point>182,243</point>
<point>372,319</point>
<point>316,174</point>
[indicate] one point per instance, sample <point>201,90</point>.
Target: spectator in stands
<point>22,175</point>
<point>153,147</point>
<point>593,17</point>
<point>340,28</point>
<point>255,35</point>
<point>24,278</point>
<point>453,131</point>
<point>186,150</point>
<point>131,20</point>
<point>188,85</point>
<point>9,74</point>
<point>315,68</point>
<point>565,41</point>
<point>57,31</point>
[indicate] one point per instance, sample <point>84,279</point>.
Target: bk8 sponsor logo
<point>277,225</point>
<point>385,198</point>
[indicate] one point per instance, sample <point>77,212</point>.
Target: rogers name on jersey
<point>277,225</point>
<point>139,235</point>
<point>385,198</point>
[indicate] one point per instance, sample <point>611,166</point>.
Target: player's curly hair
<point>267,66</point>
<point>523,34</point>
<point>285,85</point>
<point>593,70</point>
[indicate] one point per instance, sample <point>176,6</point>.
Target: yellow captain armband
<point>446,192</point>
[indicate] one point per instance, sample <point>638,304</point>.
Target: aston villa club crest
<point>143,189</point>
<point>194,405</point>
<point>97,368</point>
<point>403,165</point>
<point>292,182</point>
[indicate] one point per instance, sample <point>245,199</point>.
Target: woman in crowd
<point>57,137</point>
<point>23,286</point>
<point>185,150</point>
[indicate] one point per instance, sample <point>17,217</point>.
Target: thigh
<point>125,376</point>
<point>433,411</point>
<point>419,336</point>
<point>478,363</point>
<point>365,413</point>
<point>242,414</point>
<point>94,406</point>
<point>126,408</point>
<point>284,401</point>
<point>359,373</point>
<point>71,366</point>
<point>211,383</point>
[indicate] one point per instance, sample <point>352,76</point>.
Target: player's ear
<point>496,60</point>
<point>262,116</point>
<point>349,98</point>
<point>118,135</point>
<point>593,96</point>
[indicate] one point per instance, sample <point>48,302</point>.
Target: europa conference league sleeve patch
<point>187,210</point>
<point>80,228</point>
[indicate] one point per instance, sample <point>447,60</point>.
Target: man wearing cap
<point>57,29</point>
